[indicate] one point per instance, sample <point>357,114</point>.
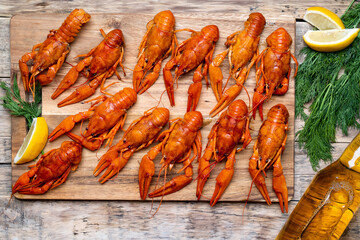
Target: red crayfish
<point>50,54</point>
<point>157,43</point>
<point>243,47</point>
<point>268,148</point>
<point>176,144</point>
<point>51,170</point>
<point>105,120</point>
<point>140,134</point>
<point>98,65</point>
<point>272,76</point>
<point>229,130</point>
<point>190,54</point>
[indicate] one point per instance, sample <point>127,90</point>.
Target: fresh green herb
<point>19,107</point>
<point>331,82</point>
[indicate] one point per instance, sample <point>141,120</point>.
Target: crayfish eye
<point>184,70</point>
<point>146,60</point>
<point>124,140</point>
<point>217,151</point>
<point>233,66</point>
<point>86,128</point>
<point>238,69</point>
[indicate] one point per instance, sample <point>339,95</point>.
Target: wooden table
<point>123,219</point>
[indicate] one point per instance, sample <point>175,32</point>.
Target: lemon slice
<point>34,141</point>
<point>323,19</point>
<point>330,40</point>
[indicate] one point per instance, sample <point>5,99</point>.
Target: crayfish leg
<point>112,165</point>
<point>139,72</point>
<point>92,144</point>
<point>175,184</point>
<point>204,168</point>
<point>216,75</point>
<point>257,178</point>
<point>37,190</point>
<point>279,185</point>
<point>194,91</point>
<point>68,124</point>
<point>147,170</point>
<point>224,178</point>
<point>169,80</point>
<point>24,69</point>
<point>150,78</point>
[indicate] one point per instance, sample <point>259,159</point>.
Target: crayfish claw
<point>171,186</point>
<point>78,95</point>
<point>227,98</point>
<point>146,171</point>
<point>279,185</point>
<point>222,182</point>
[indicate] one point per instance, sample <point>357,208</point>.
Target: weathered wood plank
<point>4,111</point>
<point>293,7</point>
<point>107,220</point>
<point>4,47</point>
<point>5,150</point>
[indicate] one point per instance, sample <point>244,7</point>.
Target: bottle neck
<point>351,156</point>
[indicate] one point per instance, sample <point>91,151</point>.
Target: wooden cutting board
<point>28,30</point>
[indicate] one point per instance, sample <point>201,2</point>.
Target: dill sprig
<point>19,107</point>
<point>331,82</point>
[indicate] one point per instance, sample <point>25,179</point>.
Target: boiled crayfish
<point>190,54</point>
<point>105,120</point>
<point>176,144</point>
<point>50,54</point>
<point>229,130</point>
<point>268,148</point>
<point>51,170</point>
<point>140,134</point>
<point>157,43</point>
<point>272,75</point>
<point>243,48</point>
<point>98,65</point>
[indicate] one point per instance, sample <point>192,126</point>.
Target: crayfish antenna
<point>162,197</point>
<point>258,104</point>
<point>227,81</point>
<point>248,196</point>
<point>207,175</point>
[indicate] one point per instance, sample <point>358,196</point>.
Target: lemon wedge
<point>330,40</point>
<point>323,19</point>
<point>34,141</point>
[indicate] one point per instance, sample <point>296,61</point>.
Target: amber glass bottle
<point>330,201</point>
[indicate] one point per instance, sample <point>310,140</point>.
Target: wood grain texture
<point>292,7</point>
<point>24,219</point>
<point>82,184</point>
<point>4,46</point>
